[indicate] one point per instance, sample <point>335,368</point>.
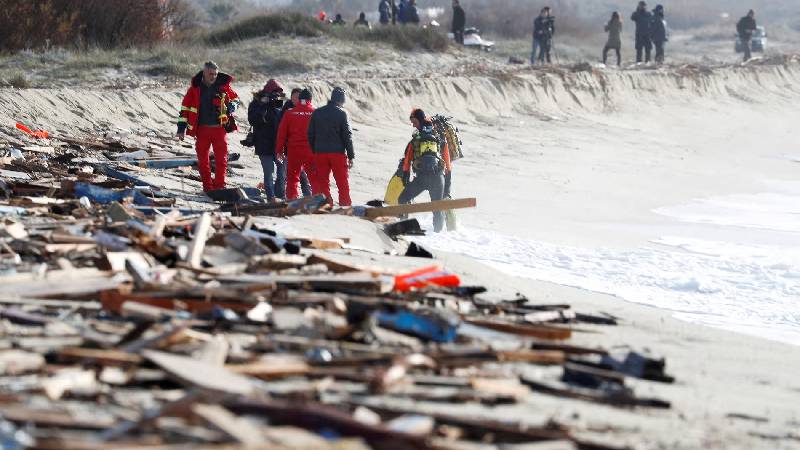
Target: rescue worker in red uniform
<point>293,136</point>
<point>331,140</point>
<point>207,114</point>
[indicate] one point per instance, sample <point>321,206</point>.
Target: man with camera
<point>264,115</point>
<point>543,30</point>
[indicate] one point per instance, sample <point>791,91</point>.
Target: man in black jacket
<point>331,141</point>
<point>264,115</point>
<point>643,20</point>
<point>544,28</point>
<point>746,27</point>
<point>459,22</point>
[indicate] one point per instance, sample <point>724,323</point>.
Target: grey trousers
<point>433,182</point>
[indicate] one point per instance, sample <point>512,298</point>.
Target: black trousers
<point>459,36</point>
<point>643,45</point>
<point>616,49</point>
<point>433,182</point>
<point>746,43</point>
<point>659,52</point>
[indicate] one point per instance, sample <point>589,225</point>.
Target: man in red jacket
<point>207,114</point>
<point>293,136</point>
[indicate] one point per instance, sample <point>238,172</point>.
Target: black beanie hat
<point>305,94</point>
<point>338,95</point>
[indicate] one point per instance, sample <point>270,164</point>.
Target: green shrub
<point>291,24</point>
<point>404,38</point>
<point>19,81</point>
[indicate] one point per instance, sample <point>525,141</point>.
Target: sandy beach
<point>661,196</point>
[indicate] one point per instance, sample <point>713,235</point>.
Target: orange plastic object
<point>41,134</point>
<point>429,276</point>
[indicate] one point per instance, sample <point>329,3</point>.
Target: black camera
<point>249,140</point>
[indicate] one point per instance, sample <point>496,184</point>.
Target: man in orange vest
<point>207,114</point>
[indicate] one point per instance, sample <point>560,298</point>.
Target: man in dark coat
<point>264,115</point>
<point>643,19</point>
<point>543,30</point>
<point>459,22</point>
<point>746,27</point>
<point>331,140</point>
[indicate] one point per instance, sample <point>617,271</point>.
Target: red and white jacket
<point>293,131</point>
<point>223,98</point>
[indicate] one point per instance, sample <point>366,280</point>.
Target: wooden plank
<point>202,375</point>
<point>110,357</point>
<point>49,418</point>
<point>537,331</point>
<point>441,205</point>
<point>271,367</point>
<point>195,256</point>
<point>114,300</point>
<point>241,430</point>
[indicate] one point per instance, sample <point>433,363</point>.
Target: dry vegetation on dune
<point>278,43</point>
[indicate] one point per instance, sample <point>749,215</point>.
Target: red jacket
<point>293,130</point>
<point>190,107</point>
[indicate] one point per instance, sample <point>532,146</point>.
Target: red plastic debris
<point>429,276</point>
<point>40,134</point>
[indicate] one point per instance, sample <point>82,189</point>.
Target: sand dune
<point>668,187</point>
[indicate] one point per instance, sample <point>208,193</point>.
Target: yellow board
<point>394,190</point>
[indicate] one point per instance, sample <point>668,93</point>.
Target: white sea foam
<point>740,284</point>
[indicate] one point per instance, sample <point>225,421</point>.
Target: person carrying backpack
<point>658,33</point>
<point>428,157</point>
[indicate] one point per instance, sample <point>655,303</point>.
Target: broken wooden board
<point>201,375</point>
<point>441,205</point>
<point>535,331</point>
<point>195,256</point>
<point>60,283</point>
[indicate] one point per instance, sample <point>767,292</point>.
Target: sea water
<point>730,262</point>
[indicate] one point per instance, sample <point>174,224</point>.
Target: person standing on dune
<point>543,30</point>
<point>658,33</point>
<point>207,114</point>
<point>384,12</point>
<point>428,157</point>
<point>746,27</point>
<point>459,22</point>
<point>643,20</point>
<point>331,140</point>
<point>614,30</point>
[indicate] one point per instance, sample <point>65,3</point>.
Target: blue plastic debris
<point>429,325</point>
<point>105,196</point>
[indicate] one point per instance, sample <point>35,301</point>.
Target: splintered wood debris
<point>139,315</point>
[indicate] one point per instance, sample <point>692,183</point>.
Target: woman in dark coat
<point>614,30</point>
